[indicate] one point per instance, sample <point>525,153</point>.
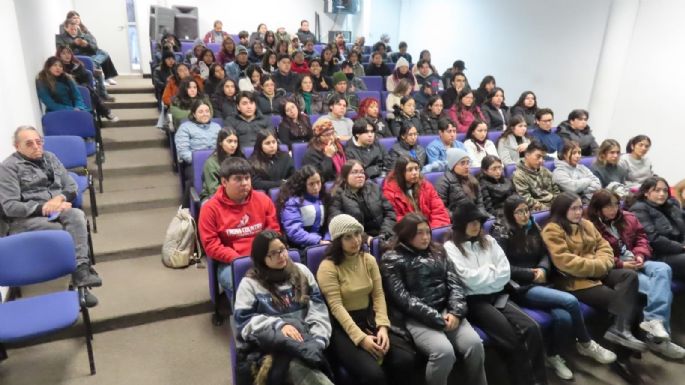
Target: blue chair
<point>318,48</point>
<point>424,140</point>
<point>85,95</point>
<point>369,94</point>
<point>71,151</point>
<point>87,62</point>
<point>186,45</point>
<point>391,66</point>
<point>247,151</point>
<point>509,170</point>
<point>474,171</point>
<point>313,256</point>
<point>440,233</point>
<point>549,164</point>
<point>387,143</point>
<point>433,177</point>
<point>79,123</point>
<point>215,47</point>
<point>487,226</point>
<point>299,150</point>
<point>373,83</point>
<point>313,118</point>
<point>541,217</point>
<point>384,97</point>
<point>199,159</point>
<point>273,194</point>
<point>276,120</point>
<point>494,135</point>
<point>34,257</point>
<point>461,136</point>
<point>587,161</point>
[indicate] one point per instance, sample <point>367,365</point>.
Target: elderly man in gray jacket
<point>36,193</point>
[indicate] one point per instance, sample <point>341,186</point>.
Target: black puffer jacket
<point>493,117</point>
<point>451,190</point>
<point>247,131</point>
<point>323,163</point>
<point>368,206</point>
<point>382,127</point>
<point>429,124</point>
<point>402,149</point>
<point>423,284</point>
<point>372,157</point>
<point>399,120</point>
<point>664,225</point>
<point>495,192</point>
<point>278,170</point>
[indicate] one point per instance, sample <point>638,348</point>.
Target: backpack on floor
<point>181,246</point>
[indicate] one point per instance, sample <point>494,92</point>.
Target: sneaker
<point>84,277</point>
<point>624,338</point>
<point>112,118</point>
<point>111,81</point>
<point>667,349</point>
<point>110,98</point>
<point>656,328</point>
<point>560,369</point>
<point>596,352</point>
<point>89,299</point>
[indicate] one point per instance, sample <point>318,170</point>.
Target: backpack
<point>181,246</point>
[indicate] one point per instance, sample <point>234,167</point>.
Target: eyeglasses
<point>273,254</point>
<point>522,212</point>
<point>357,172</point>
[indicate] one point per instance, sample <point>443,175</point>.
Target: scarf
<point>307,96</point>
<point>271,279</point>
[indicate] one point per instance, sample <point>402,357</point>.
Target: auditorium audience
<point>437,149</point>
<point>269,100</point>
<point>322,82</point>
<point>486,87</point>
<point>188,93</point>
<point>577,130</point>
<point>309,101</point>
<point>533,181</point>
<point>495,111</point>
<point>377,67</point>
<point>364,147</point>
<point>526,106</point>
<point>227,146</point>
<point>403,89</point>
<point>458,83</point>
<point>295,126</point>
<point>572,176</point>
<point>405,113</point>
<point>224,99</point>
<point>407,145</point>
<point>476,142</point>
<point>511,146</point>
<point>236,69</point>
<point>76,36</point>
<point>543,133</point>
<point>457,185</point>
<point>248,120</point>
<point>400,72</point>
<point>495,188</point>
<point>227,52</point>
<point>337,107</point>
<point>56,89</point>
<point>431,115</point>
<point>325,152</point>
<point>370,109</point>
<point>464,111</point>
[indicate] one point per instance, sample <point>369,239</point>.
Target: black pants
<point>677,263</point>
<point>618,295</point>
<point>515,335</point>
<point>398,364</point>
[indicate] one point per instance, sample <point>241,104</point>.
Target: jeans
<point>655,283</point>
<point>225,276</point>
<point>565,311</point>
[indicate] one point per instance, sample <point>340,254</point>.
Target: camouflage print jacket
<point>535,186</point>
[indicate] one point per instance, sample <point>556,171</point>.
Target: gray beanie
<point>454,155</point>
<point>342,224</point>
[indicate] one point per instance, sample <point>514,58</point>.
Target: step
<point>131,117</point>
<point>134,84</point>
<point>146,100</point>
<point>137,161</point>
<point>143,192</point>
<point>131,234</point>
<point>120,138</point>
<point>180,351</point>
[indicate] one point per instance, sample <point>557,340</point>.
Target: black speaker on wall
<point>186,22</point>
<point>341,6</point>
<point>161,21</point>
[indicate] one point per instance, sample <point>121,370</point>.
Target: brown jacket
<point>582,258</point>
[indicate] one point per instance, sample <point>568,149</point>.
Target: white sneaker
<point>112,118</point>
<point>111,81</point>
<point>560,369</point>
<point>596,352</point>
<point>656,328</point>
<point>667,349</point>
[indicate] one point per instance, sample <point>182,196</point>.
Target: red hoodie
<point>430,204</point>
<point>300,68</point>
<point>227,228</point>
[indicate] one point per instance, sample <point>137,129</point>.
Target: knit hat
<point>342,224</point>
<point>167,54</point>
<point>467,212</point>
<point>454,155</point>
<point>240,49</point>
<point>339,77</point>
<point>401,62</point>
<point>322,126</point>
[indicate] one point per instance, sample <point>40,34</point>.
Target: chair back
<point>541,217</point>
<point>273,193</point>
<point>587,161</point>
<point>384,97</point>
<point>487,226</point>
<point>215,47</point>
<point>387,143</point>
<point>36,256</point>
<point>509,170</point>
<point>247,151</point>
<point>241,265</point>
<point>69,149</point>
<point>276,120</point>
<point>69,122</point>
<point>199,159</point>
<point>314,255</point>
<point>299,150</point>
<point>440,233</point>
<point>85,95</point>
<point>549,164</point>
<point>494,135</point>
<point>374,94</point>
<point>373,83</point>
<point>424,140</point>
<point>87,62</point>
<point>433,177</point>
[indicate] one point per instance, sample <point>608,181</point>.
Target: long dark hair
<point>469,133</point>
<point>521,240</point>
<point>559,210</point>
<point>647,185</point>
<point>601,199</point>
<point>513,122</point>
<point>341,182</point>
<point>296,186</point>
<point>219,96</point>
<point>458,235</point>
<point>174,71</point>
<point>406,229</point>
<point>182,99</point>
<point>259,160</point>
<point>301,127</point>
<point>461,107</point>
<point>50,81</point>
<point>219,150</point>
<point>397,174</point>
<point>630,146</point>
<point>520,102</point>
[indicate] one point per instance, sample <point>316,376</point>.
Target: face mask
<point>349,76</point>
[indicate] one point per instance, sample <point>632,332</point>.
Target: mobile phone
<point>53,216</point>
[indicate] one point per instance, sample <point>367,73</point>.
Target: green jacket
<point>178,113</point>
<point>210,177</point>
<point>535,186</point>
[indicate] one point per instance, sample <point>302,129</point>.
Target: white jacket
<point>579,180</point>
<point>482,271</point>
<point>477,156</point>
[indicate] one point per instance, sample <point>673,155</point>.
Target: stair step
<point>130,117</point>
<point>141,100</point>
<point>143,192</point>
<point>133,84</point>
<point>137,161</point>
<point>121,138</point>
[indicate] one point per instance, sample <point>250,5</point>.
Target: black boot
<point>624,368</point>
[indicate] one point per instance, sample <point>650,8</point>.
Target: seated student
<point>361,198</point>
<point>252,81</point>
<point>403,112</point>
<point>663,221</point>
<point>223,99</point>
<point>577,129</point>
<point>259,34</point>
<point>495,111</point>
<point>526,106</point>
<point>407,145</point>
<point>370,109</point>
<point>180,73</point>
<point>571,176</point>
<point>635,162</point>
<point>168,43</point>
<point>393,99</point>
<point>476,142</point>
<point>216,75</point>
<point>217,34</point>
<point>337,107</point>
<point>382,49</point>
<point>457,185</point>
<point>422,284</point>
<point>329,63</point>
<point>543,133</point>
<point>484,270</point>
<point>464,111</point>
<point>425,55</point>
<point>278,304</point>
<point>487,85</point>
<point>205,60</point>
<point>364,147</point>
<point>244,38</point>
<point>308,51</point>
<point>431,115</point>
<point>354,83</point>
<point>295,126</point>
<point>34,186</point>
<point>76,36</point>
<point>437,149</point>
<point>377,67</point>
<point>269,100</point>
<point>495,188</point>
<point>458,83</point>
<point>534,182</point>
<point>422,96</point>
<point>631,249</point>
<point>284,77</point>
<point>309,101</point>
<point>340,89</point>
<point>195,54</point>
<point>162,72</point>
<point>233,217</point>
<point>357,68</point>
<point>197,133</point>
<point>424,75</point>
<point>181,104</point>
<point>227,146</point>
<point>325,152</point>
<point>227,52</point>
<point>458,66</point>
<point>256,53</point>
<point>248,120</point>
<point>237,68</point>
<point>299,64</point>
<point>519,236</point>
<point>301,206</point>
<point>322,82</point>
<point>270,166</point>
<point>401,53</point>
<point>514,140</point>
<point>605,167</point>
<point>351,283</point>
<point>400,72</point>
<point>56,89</point>
<point>407,191</point>
<point>586,262</point>
<point>304,33</point>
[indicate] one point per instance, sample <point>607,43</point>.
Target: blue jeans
<point>655,283</point>
<point>225,277</point>
<point>565,311</point>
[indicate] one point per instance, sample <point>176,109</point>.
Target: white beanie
<point>342,224</point>
<point>454,155</point>
<point>401,62</point>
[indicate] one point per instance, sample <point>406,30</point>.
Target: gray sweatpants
<point>301,374</point>
<point>72,220</point>
<point>442,349</point>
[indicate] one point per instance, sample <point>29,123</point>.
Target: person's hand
<point>382,338</point>
<point>451,322</point>
<point>53,205</point>
<point>330,149</point>
<point>324,242</point>
<point>369,344</point>
<point>323,83</point>
<point>291,332</point>
<point>522,147</point>
<point>632,265</point>
<point>65,206</point>
<point>540,276</point>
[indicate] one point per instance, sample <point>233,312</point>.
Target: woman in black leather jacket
<point>495,188</point>
<point>423,284</point>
